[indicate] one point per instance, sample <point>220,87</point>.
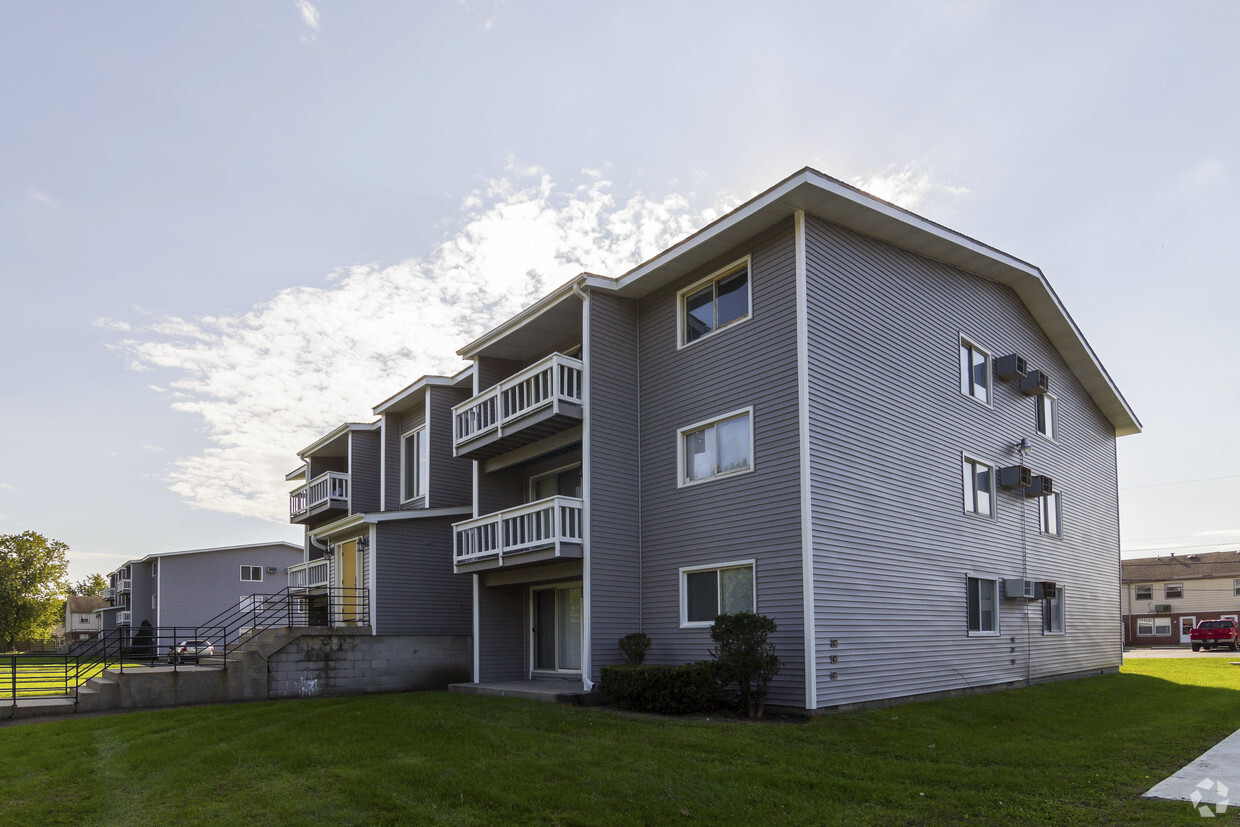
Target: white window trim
<point>685,623</point>
<point>1235,587</point>
<point>554,471</point>
<point>698,285</point>
<point>993,578</point>
<point>681,482</point>
<point>423,478</point>
<point>1053,436</point>
<point>965,456</point>
<point>1136,591</point>
<point>1166,596</point>
<point>1153,620</point>
<point>1056,498</point>
<point>1063,610</point>
<point>245,579</point>
<point>989,401</point>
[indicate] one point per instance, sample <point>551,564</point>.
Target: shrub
<point>745,657</point>
<point>670,690</point>
<point>634,647</point>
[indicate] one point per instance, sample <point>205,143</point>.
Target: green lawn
<point>1070,752</point>
<point>40,677</point>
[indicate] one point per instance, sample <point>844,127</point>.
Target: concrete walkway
<point>1214,778</point>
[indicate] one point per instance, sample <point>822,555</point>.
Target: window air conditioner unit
<point>1016,589</point>
<point>1162,608</point>
<point>1047,590</point>
<point>1040,486</point>
<point>1015,476</point>
<point>1035,382</point>
<point>1011,367</point>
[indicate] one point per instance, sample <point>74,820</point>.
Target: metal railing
<point>332,485</point>
<point>28,676</point>
<point>547,522</point>
<point>310,575</point>
<point>555,378</point>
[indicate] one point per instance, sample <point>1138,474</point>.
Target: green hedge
<point>670,690</point>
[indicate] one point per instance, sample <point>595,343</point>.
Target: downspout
<point>586,596</point>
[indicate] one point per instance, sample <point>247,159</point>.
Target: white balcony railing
<point>309,575</point>
<point>125,585</point>
<point>332,485</point>
<point>548,522</point>
<point>109,593</point>
<point>123,618</point>
<point>547,381</point>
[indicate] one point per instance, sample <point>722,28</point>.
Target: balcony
<point>123,618</point>
<point>109,593</point>
<point>312,575</point>
<point>536,532</point>
<point>538,402</point>
<point>124,586</point>
<point>326,492</point>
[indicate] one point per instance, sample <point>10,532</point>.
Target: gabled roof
<point>1181,567</point>
<point>84,603</point>
<point>834,201</point>
<point>402,398</point>
<point>334,434</point>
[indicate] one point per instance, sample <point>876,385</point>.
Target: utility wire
<point>1180,482</point>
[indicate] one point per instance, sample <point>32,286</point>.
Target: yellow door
<point>350,581</point>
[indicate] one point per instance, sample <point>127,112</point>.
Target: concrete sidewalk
<point>1214,777</point>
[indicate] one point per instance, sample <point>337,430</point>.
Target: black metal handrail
<point>52,675</point>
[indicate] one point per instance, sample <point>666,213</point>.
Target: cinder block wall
<point>345,664</point>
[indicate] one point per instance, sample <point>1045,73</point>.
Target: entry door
<point>556,633</point>
<point>1186,626</point>
<point>350,581</point>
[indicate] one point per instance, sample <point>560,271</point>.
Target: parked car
<point>189,651</point>
<point>1210,633</point>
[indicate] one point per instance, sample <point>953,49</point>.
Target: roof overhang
<point>334,442</point>
<point>354,522</point>
<point>410,396</point>
<point>559,310</point>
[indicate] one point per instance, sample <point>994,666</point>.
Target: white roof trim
<point>421,384</point>
<point>336,433</point>
<point>559,294</point>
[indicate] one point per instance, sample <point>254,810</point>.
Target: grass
<point>1071,752</point>
<point>42,677</point>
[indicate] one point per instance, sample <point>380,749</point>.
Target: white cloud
<point>309,16</point>
<point>905,186</point>
<point>5,486</point>
<point>36,194</point>
<point>271,381</point>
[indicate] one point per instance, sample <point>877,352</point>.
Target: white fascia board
<point>419,514</point>
<point>297,474</point>
<point>335,434</point>
<point>421,384</point>
<point>158,554</point>
<point>564,291</point>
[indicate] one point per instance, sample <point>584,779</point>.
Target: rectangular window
<point>1052,614</point>
<point>719,300</point>
<point>252,573</point>
<point>1145,592</point>
<point>979,487</point>
<point>154,605</point>
<point>1173,590</point>
<point>154,567</point>
<point>716,448</point>
<point>1044,406</point>
<point>564,482</point>
<point>414,465</point>
<point>251,603</point>
<point>1048,514</point>
<point>706,593</point>
<point>1156,626</point>
<point>983,611</point>
<point>974,371</point>
<point>1235,586</point>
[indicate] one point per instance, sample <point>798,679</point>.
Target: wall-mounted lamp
<point>1025,446</point>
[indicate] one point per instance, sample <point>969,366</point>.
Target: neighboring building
<point>1165,597</point>
<point>82,622</point>
<point>813,408</point>
<point>189,588</point>
<point>378,501</point>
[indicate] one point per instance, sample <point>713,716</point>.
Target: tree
<point>92,586</point>
<point>746,657</point>
<point>32,585</point>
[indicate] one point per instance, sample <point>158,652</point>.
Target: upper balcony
<point>540,401</point>
<point>310,575</point>
<point>536,532</point>
<point>124,585</point>
<point>326,492</point>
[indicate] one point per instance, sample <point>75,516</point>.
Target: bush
<point>745,657</point>
<point>634,647</point>
<point>670,690</point>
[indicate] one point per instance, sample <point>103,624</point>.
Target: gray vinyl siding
<point>615,508</point>
<point>363,472</point>
<point>193,588</point>
<point>502,639</point>
<point>491,371</point>
<point>500,489</point>
<point>321,465</point>
<point>891,542</point>
<point>452,481</point>
<point>409,420</point>
<point>416,591</point>
<point>749,516</point>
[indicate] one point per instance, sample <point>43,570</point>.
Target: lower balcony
<point>124,618</point>
<point>536,532</point>
<point>312,575</point>
<point>326,492</point>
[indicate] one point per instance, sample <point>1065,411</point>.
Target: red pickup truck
<point>1214,633</point>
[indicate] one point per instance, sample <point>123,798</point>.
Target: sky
<point>227,227</point>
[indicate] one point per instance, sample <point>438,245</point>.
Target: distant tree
<point>92,586</point>
<point>32,585</point>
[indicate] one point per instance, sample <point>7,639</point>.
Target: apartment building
<point>1165,597</point>
<point>888,437</point>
